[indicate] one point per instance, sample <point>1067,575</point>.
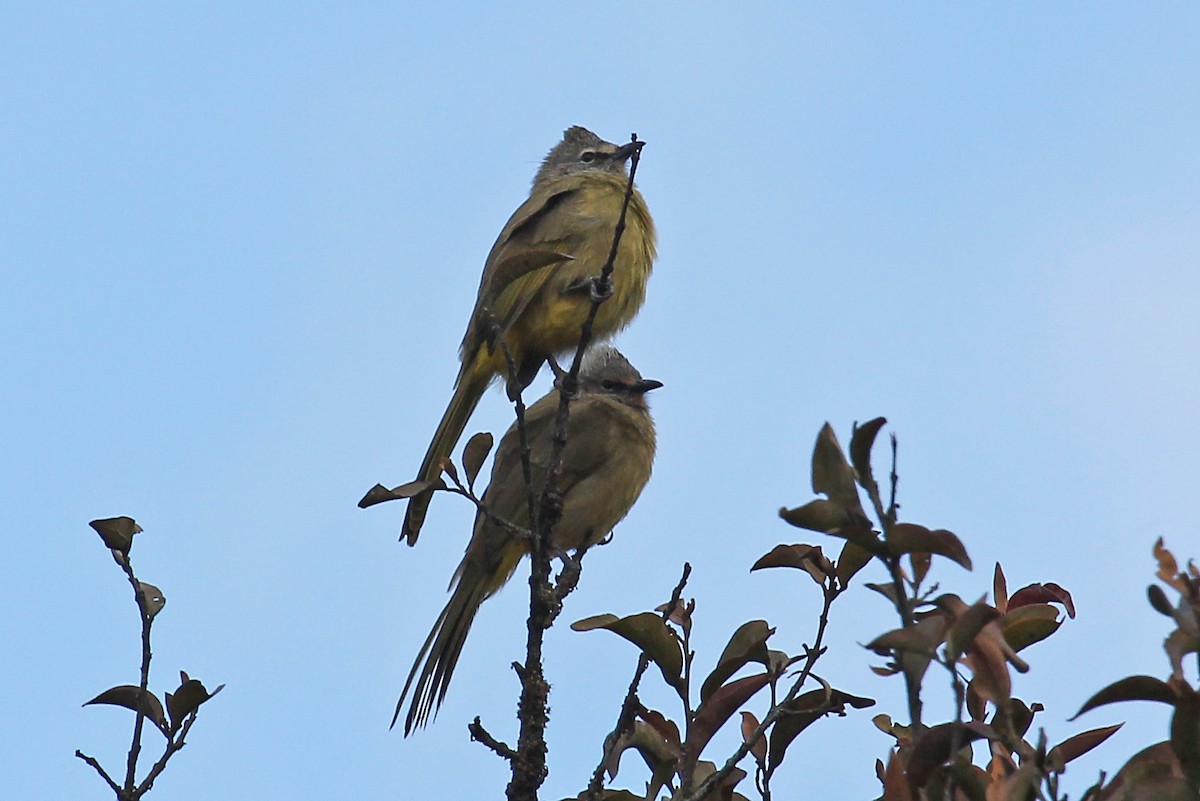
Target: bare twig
<point>103,773</point>
<point>776,711</point>
<point>631,705</point>
<point>481,735</point>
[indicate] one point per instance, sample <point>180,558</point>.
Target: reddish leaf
<point>1079,744</point>
<point>911,538</point>
<point>1131,688</point>
<point>748,644</point>
<point>713,713</point>
<point>117,532</point>
<point>1042,594</point>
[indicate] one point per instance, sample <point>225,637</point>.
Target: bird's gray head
<point>582,151</point>
<point>605,371</point>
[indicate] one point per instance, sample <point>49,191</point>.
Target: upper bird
<point>605,465</point>
<point>534,294</point>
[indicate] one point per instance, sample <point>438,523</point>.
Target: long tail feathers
<point>442,647</point>
<point>472,381</point>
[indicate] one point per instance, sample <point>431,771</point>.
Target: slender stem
<point>144,682</point>
<point>777,710</point>
<point>529,765</point>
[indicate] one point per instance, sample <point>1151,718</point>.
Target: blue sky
<point>239,244</point>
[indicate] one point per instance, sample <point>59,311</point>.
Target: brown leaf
<point>831,473</point>
<point>474,454</point>
<point>895,782</point>
<point>805,557</point>
<point>648,632</point>
<point>1159,600</point>
<point>932,747</point>
<point>135,698</point>
<point>117,532</point>
<point>1000,589</point>
<point>1185,733</point>
<point>920,564</point>
<point>713,713</point>
<point>380,493</point>
<point>851,560</point>
<point>911,538</point>
<point>748,644</point>
<point>150,599</point>
<point>187,699</point>
<point>1152,774</point>
<point>966,628</point>
<point>758,749</point>
<point>804,710</point>
<point>861,440</point>
<point>1079,744</point>
<point>822,516</point>
<point>1131,688</point>
<point>1042,593</point>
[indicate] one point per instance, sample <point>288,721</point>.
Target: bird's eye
<point>608,385</point>
<point>587,156</point>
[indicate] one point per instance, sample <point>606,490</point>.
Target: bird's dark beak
<point>645,385</point>
<point>625,151</point>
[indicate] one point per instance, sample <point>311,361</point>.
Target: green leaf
<point>911,538</point>
<point>117,532</point>
<point>851,560</point>
<point>808,558</point>
<point>648,632</point>
<point>1131,688</point>
<point>1026,625</point>
<point>748,644</point>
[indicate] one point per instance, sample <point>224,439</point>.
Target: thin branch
<point>173,747</point>
<point>147,620</point>
<point>103,773</point>
<point>631,705</point>
<point>529,764</point>
<point>480,735</point>
<point>776,711</point>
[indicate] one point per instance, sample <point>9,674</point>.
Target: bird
<point>606,463</point>
<point>535,292</point>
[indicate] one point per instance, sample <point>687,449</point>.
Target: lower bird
<point>605,465</point>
